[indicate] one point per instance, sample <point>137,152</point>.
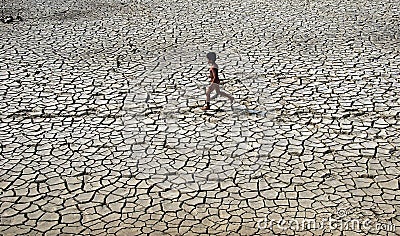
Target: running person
<point>212,57</point>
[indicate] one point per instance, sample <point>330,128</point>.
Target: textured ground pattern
<point>101,131</point>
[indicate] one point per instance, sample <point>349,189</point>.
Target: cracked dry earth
<point>101,131</point>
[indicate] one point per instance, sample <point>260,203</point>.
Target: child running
<point>212,57</point>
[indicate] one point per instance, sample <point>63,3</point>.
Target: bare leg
<point>214,96</point>
<point>211,88</point>
<point>224,94</point>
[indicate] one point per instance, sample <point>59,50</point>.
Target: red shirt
<point>214,75</point>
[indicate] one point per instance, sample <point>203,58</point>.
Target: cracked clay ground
<point>102,134</point>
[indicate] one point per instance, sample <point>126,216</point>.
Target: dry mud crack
<point>101,131</point>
